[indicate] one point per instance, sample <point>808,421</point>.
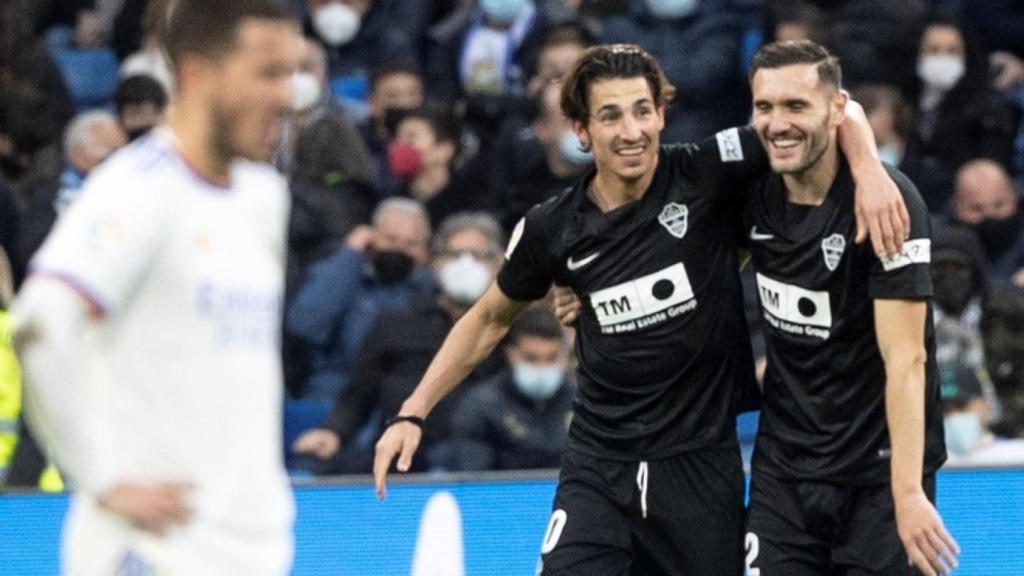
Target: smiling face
<point>796,116</point>
<point>624,128</point>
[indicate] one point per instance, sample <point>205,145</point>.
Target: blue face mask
<point>538,381</point>
<point>502,11</point>
<point>570,149</point>
<point>671,9</point>
<point>963,431</point>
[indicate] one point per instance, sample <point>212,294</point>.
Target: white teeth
<point>784,142</point>
<point>630,151</point>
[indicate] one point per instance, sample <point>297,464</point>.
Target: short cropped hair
<point>606,62</point>
<point>482,222</point>
<point>793,52</point>
<point>535,322</point>
<point>211,28</point>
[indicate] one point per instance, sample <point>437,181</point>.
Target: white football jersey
<point>188,278</point>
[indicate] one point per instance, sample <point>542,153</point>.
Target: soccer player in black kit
<point>651,480</point>
<point>851,426</point>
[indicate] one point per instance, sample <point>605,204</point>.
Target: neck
<point>191,128</point>
<point>429,182</point>
<point>609,191</point>
<point>811,186</point>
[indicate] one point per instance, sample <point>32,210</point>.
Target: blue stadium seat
<point>299,416</point>
<point>92,75</point>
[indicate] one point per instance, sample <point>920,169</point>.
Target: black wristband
<point>400,418</point>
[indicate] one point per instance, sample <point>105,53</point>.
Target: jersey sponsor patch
<point>794,309</point>
<point>675,218</point>
<point>832,249</point>
<point>914,252</point>
<point>517,235</point>
<point>730,148</point>
<point>644,301</point>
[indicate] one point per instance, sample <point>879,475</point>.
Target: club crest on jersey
<point>832,248</point>
<point>674,218</point>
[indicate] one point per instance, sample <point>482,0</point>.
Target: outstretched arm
<point>472,338</point>
<point>900,326</point>
<point>880,210</point>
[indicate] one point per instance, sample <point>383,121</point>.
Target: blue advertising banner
<point>493,527</point>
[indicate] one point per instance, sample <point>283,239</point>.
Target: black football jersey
<point>823,409</point>
<point>662,347</point>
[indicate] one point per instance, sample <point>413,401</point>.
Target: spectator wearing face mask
<point>519,183</point>
<point>985,200</point>
<point>891,119</point>
<point>395,89</point>
<point>398,349</point>
<point>519,419</point>
<point>958,116</point>
<point>381,267</point>
<point>1003,332</point>
<point>424,159</point>
<point>141,102</point>
<point>90,138</point>
<point>358,36</point>
<point>698,44</point>
<point>969,440</point>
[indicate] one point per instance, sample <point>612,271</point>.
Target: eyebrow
<point>640,102</point>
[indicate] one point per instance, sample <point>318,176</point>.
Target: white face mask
<point>336,23</point>
<point>307,91</point>
<point>570,149</point>
<point>464,279</point>
<point>963,431</point>
<point>940,72</point>
<point>502,11</point>
<point>538,381</point>
<point>671,9</point>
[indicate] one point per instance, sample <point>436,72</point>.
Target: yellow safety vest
<point>10,408</point>
<point>10,393</point>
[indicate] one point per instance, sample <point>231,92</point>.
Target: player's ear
<point>581,132</point>
<point>839,103</point>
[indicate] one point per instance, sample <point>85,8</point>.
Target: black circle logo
<point>806,307</point>
<point>663,289</point>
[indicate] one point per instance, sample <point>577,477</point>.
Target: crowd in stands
<point>423,130</point>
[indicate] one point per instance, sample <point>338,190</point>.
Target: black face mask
<point>136,133</point>
<point>392,266</point>
<point>998,235</point>
<point>11,167</point>
<point>392,116</point>
<point>952,292</point>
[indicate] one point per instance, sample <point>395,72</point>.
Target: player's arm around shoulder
<point>472,338</point>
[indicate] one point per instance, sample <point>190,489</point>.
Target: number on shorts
<point>554,531</point>
<point>753,545</point>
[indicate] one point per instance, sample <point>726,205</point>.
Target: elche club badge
<point>832,249</point>
<point>673,218</point>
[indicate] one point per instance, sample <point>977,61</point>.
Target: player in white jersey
<point>149,328</point>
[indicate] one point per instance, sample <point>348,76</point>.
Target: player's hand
<point>153,507</point>
<point>567,305</point>
<point>319,442</point>
<point>400,439</point>
<point>929,546</point>
<point>881,213</point>
<point>360,238</point>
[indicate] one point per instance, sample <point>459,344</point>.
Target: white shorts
<point>98,543</point>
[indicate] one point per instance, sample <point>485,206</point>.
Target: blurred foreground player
<point>149,328</point>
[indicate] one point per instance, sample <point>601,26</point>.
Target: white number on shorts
<point>753,545</point>
<point>554,531</point>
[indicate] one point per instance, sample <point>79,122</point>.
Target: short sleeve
<point>727,162</point>
<point>906,275</point>
<point>527,272</point>
<point>106,240</point>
